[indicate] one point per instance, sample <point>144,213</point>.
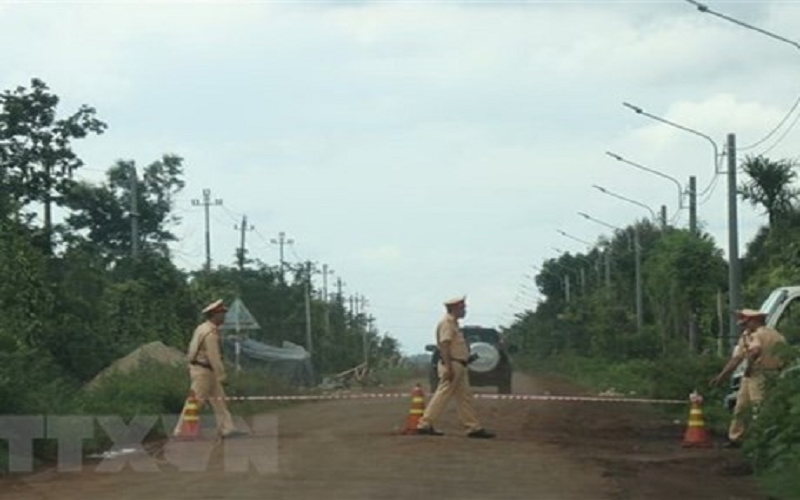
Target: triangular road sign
<point>239,318</point>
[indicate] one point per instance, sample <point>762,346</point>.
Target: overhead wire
<point>707,197</point>
<point>783,136</point>
<point>776,128</point>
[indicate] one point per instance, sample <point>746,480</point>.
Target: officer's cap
<point>746,314</point>
<point>215,307</point>
<point>456,301</point>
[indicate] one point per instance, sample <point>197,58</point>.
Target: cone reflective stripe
<point>190,419</point>
<point>696,435</point>
<point>416,410</point>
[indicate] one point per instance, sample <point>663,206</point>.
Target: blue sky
<point>420,149</point>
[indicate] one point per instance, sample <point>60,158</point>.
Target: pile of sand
<point>154,351</point>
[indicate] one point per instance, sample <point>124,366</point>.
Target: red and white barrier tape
<point>501,397</point>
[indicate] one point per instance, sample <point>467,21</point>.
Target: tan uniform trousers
<point>207,388</point>
<point>459,390</point>
<point>750,394</point>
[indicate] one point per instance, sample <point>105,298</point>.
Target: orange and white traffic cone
<point>416,411</point>
<point>696,435</point>
<point>190,420</point>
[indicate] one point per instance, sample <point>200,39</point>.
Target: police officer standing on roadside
<point>755,346</point>
<point>453,376</point>
<point>207,370</point>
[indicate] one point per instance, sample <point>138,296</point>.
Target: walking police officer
<point>207,370</point>
<point>453,376</point>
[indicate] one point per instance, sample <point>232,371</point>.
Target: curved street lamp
<point>596,264</point>
<point>713,143</point>
<point>704,9</point>
<point>681,190</point>
<point>691,191</point>
<point>734,266</point>
<point>615,195</point>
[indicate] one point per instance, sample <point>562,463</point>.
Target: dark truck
<point>491,359</point>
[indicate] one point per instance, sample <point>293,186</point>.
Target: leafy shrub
<point>773,440</point>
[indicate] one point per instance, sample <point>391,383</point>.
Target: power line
<point>707,197</point>
<point>783,136</point>
<point>775,129</point>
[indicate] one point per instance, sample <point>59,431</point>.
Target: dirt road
<point>351,450</point>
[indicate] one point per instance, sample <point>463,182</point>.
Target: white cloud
<point>421,150</point>
<point>381,256</point>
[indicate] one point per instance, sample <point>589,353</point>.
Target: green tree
<point>104,211</point>
<point>682,272</point>
<point>36,155</point>
<point>770,186</point>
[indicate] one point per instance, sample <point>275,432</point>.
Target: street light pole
<point>640,111</point>
<point>637,203</point>
<point>653,171</point>
<point>582,269</point>
<point>637,265</point>
<point>604,256</point>
<point>734,266</point>
<point>704,9</point>
<point>579,275</point>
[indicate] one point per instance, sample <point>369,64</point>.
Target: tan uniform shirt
<point>448,329</point>
<point>743,345</point>
<point>204,347</point>
<point>766,338</point>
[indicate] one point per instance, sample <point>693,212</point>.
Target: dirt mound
<point>154,351</point>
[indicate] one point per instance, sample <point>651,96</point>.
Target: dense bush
<point>773,441</point>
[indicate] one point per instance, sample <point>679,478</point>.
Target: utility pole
<point>566,287</point>
<point>207,203</point>
<point>48,213</point>
<point>607,255</point>
<point>309,340</point>
<point>325,273</point>
<point>693,348</point>
<point>693,205</point>
<point>339,285</point>
<point>242,251</point>
<point>362,302</point>
<point>663,216</point>
<point>638,253</point>
<point>281,241</point>
<point>367,331</point>
<point>134,213</point>
<point>734,270</point>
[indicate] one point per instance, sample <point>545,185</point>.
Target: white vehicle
<point>783,313</point>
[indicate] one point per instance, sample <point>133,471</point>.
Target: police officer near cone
<point>207,370</point>
<point>453,376</point>
<point>755,345</point>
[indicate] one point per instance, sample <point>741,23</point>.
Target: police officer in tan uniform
<point>453,376</point>
<point>756,345</point>
<point>207,370</point>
